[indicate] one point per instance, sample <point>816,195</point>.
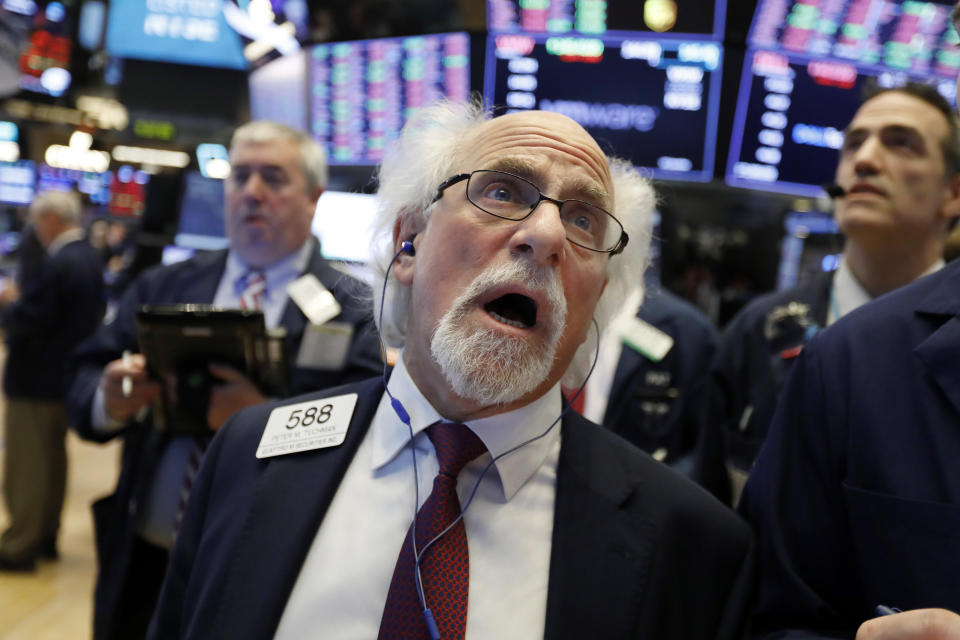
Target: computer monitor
<point>804,76</point>
<point>201,220</point>
<point>659,88</point>
<point>18,182</point>
<point>812,244</point>
<point>597,17</point>
<point>361,93</point>
<point>343,223</point>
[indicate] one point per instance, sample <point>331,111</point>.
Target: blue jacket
<point>856,494</point>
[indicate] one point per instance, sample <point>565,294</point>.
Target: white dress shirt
<point>343,584</point>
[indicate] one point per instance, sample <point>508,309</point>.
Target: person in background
<point>855,497</point>
<point>498,242</point>
<point>277,175</point>
<point>898,171</point>
<point>58,303</point>
<point>652,375</point>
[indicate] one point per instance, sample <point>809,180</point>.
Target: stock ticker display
<point>664,86</point>
<point>597,17</point>
<point>361,93</point>
<point>804,76</point>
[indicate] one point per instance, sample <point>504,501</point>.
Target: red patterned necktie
<point>254,288</point>
<point>445,567</point>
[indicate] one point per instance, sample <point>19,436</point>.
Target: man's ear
<point>950,208</point>
<point>405,229</point>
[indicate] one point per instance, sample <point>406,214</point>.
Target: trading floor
<point>56,601</point>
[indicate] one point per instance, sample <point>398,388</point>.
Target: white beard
<point>490,367</point>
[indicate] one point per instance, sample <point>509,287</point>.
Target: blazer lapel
<point>600,550</point>
<point>291,499</point>
<point>940,352</point>
<point>202,289</point>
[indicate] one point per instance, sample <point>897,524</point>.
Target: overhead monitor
<point>885,35</point>
<point>361,93</point>
<point>662,86</point>
<point>804,76</point>
<point>201,220</point>
<point>278,91</point>
<point>790,118</point>
<point>193,32</point>
<point>17,182</point>
<point>343,223</point>
<point>812,244</point>
<point>598,17</point>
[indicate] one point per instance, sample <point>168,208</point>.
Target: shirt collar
<point>848,294</point>
<point>65,238</point>
<point>499,433</point>
<point>282,271</point>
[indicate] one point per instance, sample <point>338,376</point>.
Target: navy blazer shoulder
<point>638,551</point>
<point>856,496</point>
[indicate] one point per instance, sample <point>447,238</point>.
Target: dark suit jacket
<point>638,551</point>
<point>659,405</point>
<point>856,495</point>
<point>756,352</point>
<point>61,303</point>
<point>195,281</point>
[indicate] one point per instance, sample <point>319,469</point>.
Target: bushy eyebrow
<point>526,169</point>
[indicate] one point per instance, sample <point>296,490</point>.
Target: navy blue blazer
<point>61,303</point>
<point>756,352</point>
<point>856,495</point>
<point>638,551</point>
<point>196,281</point>
<point>659,405</point>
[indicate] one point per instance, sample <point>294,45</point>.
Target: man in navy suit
<point>277,174</point>
<point>61,304</point>
<point>499,241</point>
<point>856,495</point>
<point>760,345</point>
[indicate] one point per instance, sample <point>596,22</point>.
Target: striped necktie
<point>254,284</point>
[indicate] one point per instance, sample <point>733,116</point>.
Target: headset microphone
<point>834,190</point>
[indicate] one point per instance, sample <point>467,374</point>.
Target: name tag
<point>647,339</point>
<point>313,299</point>
<point>325,346</point>
<point>306,426</point>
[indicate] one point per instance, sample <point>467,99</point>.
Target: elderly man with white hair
<point>60,304</point>
<point>461,497</point>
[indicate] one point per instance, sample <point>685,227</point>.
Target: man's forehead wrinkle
<point>532,135</point>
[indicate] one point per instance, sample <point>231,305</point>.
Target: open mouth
<point>513,309</point>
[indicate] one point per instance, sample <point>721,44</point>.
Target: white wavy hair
<point>424,156</point>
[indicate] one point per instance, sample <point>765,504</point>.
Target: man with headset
<point>856,495</point>
<point>504,237</point>
<point>895,211</point>
<point>277,174</point>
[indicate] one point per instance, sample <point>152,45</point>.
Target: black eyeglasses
<point>511,197</point>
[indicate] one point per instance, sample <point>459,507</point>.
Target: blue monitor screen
<point>362,92</point>
<point>597,17</point>
<point>194,32</point>
<point>664,86</point>
<point>17,182</point>
<point>201,213</point>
